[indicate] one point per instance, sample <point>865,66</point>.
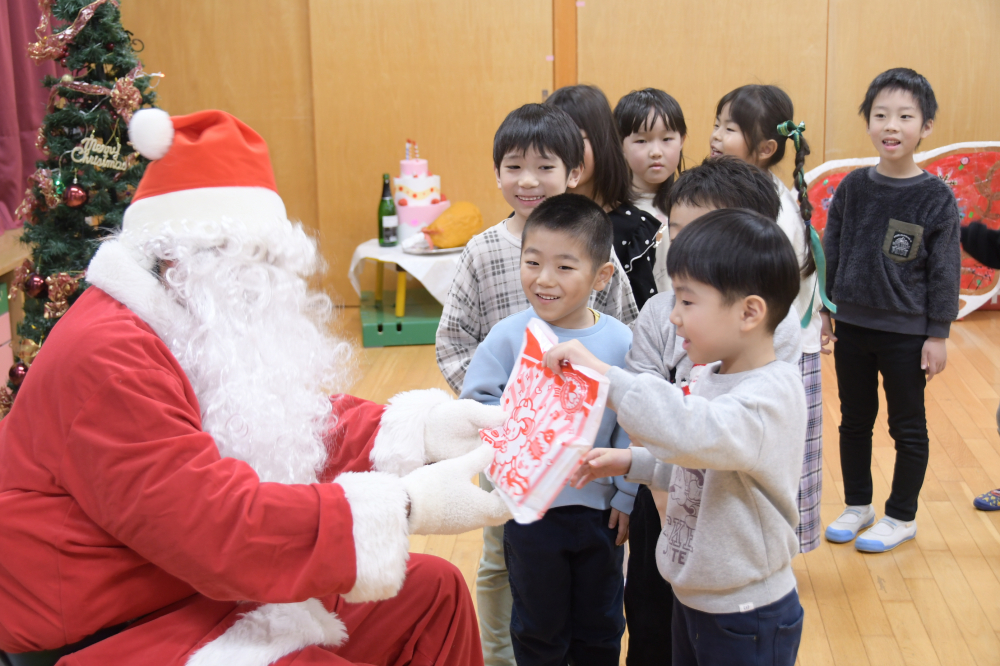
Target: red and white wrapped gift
<point>551,423</point>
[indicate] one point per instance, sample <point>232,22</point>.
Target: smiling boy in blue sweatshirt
<point>565,569</point>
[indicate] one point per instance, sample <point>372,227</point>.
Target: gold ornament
<point>27,351</point>
<point>6,401</point>
<point>24,212</point>
<point>61,287</point>
<point>20,275</point>
<point>125,97</point>
<point>92,151</point>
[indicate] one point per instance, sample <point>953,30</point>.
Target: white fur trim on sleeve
<point>381,533</point>
<point>268,633</point>
<point>399,444</point>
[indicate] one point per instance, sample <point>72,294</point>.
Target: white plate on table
<point>418,245</point>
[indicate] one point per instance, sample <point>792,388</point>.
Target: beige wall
<point>248,57</point>
<point>337,86</point>
<point>954,44</point>
<point>441,72</point>
<point>698,50</point>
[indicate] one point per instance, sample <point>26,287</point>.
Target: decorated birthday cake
<point>417,194</point>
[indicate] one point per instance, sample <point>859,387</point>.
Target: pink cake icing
<point>417,194</point>
<point>414,218</point>
<point>416,167</point>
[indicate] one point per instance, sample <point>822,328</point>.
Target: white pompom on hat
<point>206,166</point>
<point>151,132</point>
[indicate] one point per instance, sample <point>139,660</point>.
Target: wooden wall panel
<point>698,50</point>
<point>441,72</point>
<point>564,43</point>
<point>250,58</point>
<point>953,44</point>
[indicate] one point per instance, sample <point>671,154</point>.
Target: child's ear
<point>766,150</point>
<point>573,178</point>
<point>926,130</point>
<point>603,276</point>
<point>754,313</point>
<point>496,172</point>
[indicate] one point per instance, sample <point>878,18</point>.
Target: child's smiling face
<point>557,276</point>
<point>527,179</point>
<point>727,138</point>
<point>896,124</point>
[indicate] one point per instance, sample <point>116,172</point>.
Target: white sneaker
<point>888,534</point>
<point>853,520</point>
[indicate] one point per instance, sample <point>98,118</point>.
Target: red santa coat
<point>114,504</point>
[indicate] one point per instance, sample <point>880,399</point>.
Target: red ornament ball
<point>34,286</point>
<point>62,62</point>
<point>17,373</point>
<point>76,196</point>
<point>110,47</point>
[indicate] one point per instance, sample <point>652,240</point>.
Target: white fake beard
<point>255,343</point>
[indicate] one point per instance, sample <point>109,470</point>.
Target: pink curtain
<point>22,103</point>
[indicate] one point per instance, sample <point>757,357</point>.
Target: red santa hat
<point>206,166</point>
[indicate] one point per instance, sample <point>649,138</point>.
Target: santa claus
<point>177,486</point>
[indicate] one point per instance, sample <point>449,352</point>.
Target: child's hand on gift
<point>619,520</point>
<point>572,352</point>
<point>599,463</point>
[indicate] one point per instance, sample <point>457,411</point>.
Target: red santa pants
<point>430,622</point>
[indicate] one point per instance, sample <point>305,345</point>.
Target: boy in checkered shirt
<point>537,153</point>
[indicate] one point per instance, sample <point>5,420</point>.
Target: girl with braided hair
<point>754,123</point>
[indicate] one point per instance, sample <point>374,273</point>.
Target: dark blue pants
<point>860,355</point>
<point>648,598</point>
<point>765,636</point>
<point>567,585</point>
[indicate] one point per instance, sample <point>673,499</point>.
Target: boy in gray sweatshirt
<point>730,453</point>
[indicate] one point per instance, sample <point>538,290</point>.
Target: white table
<point>434,271</point>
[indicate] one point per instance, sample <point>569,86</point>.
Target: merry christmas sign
<point>551,423</point>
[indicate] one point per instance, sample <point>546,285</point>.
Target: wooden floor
<point>935,600</point>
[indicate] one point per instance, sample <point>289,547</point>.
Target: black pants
<point>765,636</point>
<point>648,598</point>
<point>860,355</point>
<point>567,585</point>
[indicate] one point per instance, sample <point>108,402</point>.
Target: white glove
<point>420,427</point>
<point>452,428</point>
<point>443,499</point>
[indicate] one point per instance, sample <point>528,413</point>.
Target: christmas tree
<point>81,189</point>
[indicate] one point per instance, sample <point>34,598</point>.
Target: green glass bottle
<point>388,223</point>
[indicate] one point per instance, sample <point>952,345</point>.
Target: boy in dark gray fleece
<point>729,453</point>
<point>893,268</point>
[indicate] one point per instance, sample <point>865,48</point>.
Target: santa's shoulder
<point>97,338</point>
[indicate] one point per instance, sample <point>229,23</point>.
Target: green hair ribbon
<point>790,129</point>
<point>820,258</point>
<point>794,132</point>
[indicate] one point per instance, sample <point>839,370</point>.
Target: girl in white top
<point>653,131</point>
<point>754,123</point>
